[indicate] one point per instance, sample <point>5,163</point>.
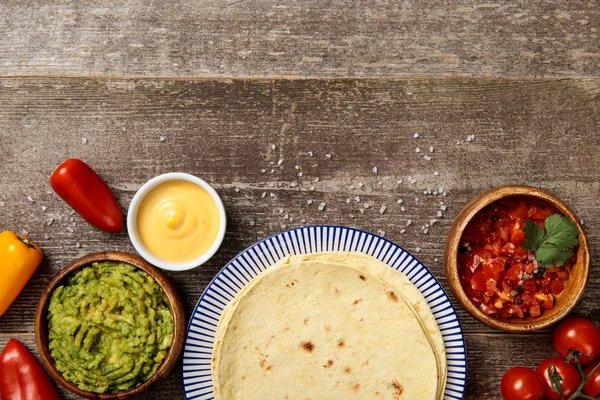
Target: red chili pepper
<point>77,184</point>
<point>21,377</point>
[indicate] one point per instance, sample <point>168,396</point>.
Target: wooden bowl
<point>41,326</point>
<point>574,286</point>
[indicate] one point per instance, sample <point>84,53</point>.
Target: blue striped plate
<point>197,381</point>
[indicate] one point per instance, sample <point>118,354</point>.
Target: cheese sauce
<point>178,221</point>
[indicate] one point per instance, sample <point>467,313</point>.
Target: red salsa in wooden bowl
<point>514,258</point>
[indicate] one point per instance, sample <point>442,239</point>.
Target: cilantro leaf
<point>534,235</point>
<point>555,245</point>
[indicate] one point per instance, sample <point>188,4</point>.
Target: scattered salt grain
<point>280,211</point>
<point>310,154</point>
<point>297,166</point>
<point>24,232</point>
<point>418,249</point>
<point>70,230</point>
<point>84,140</point>
<point>431,149</point>
<point>425,231</point>
<point>381,232</point>
<point>362,211</point>
<point>357,199</point>
<point>293,184</point>
<point>263,195</point>
<point>582,223</point>
<point>435,173</point>
<point>443,207</point>
<point>280,161</point>
<point>263,170</point>
<point>440,214</point>
<point>309,202</point>
<point>351,187</point>
<point>30,199</point>
<point>77,245</point>
<point>402,230</point>
<point>328,156</point>
<point>2,204</point>
<point>286,216</point>
<point>273,146</point>
<point>399,181</point>
<point>399,201</point>
<point>435,193</point>
<point>440,189</point>
<point>374,170</point>
<point>237,190</point>
<point>321,206</point>
<point>252,223</point>
<point>272,194</point>
<point>416,135</point>
<point>380,183</point>
<point>411,179</point>
<point>382,209</point>
<point>162,138</point>
<point>366,205</point>
<point>50,221</point>
<point>470,138</point>
<point>351,216</point>
<point>300,173</point>
<point>272,170</point>
<point>408,222</point>
<point>402,208</point>
<point>316,179</point>
<point>426,158</point>
<point>46,236</point>
<point>348,201</point>
<point>312,188</point>
<point>417,150</point>
<point>425,192</point>
<point>435,260</point>
<point>360,184</point>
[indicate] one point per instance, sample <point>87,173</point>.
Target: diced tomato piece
<point>519,212</point>
<point>520,252</point>
<point>517,237</point>
<point>556,286</point>
<point>548,212</point>
<point>504,231</point>
<point>484,253</point>
<point>513,273</point>
<point>518,311</point>
<point>534,311</point>
<point>478,281</point>
<point>539,214</point>
<point>563,274</point>
<point>491,272</point>
<point>472,261</point>
<point>490,287</point>
<point>529,267</point>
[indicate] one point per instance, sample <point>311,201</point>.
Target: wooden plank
<point>539,132</point>
<point>300,38</point>
<point>490,355</point>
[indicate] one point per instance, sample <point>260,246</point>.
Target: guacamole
<point>110,327</point>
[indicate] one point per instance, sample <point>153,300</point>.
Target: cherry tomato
<point>592,386</point>
<point>520,383</point>
<point>570,377</point>
<point>77,184</point>
<point>579,334</point>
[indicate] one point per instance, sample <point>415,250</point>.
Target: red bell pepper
<point>77,184</point>
<point>21,377</point>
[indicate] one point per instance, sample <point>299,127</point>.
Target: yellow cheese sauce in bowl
<point>176,221</point>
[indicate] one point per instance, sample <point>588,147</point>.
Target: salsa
<point>110,327</point>
<point>500,276</point>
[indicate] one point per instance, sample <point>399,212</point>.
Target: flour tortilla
<point>310,329</point>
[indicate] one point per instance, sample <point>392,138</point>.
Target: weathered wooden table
<point>207,87</point>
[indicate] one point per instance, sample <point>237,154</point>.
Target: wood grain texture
<point>541,132</point>
<point>302,38</point>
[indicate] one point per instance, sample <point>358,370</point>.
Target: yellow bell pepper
<point>19,258</point>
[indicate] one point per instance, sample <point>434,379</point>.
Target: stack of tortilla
<point>331,325</point>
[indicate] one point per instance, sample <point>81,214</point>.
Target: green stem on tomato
<point>578,393</point>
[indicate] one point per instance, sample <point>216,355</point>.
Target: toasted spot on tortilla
<point>329,364</point>
<point>398,389</point>
<point>306,321</point>
<point>362,277</point>
<point>348,370</point>
<point>393,297</point>
<point>307,346</point>
<point>357,301</point>
<point>292,283</point>
<point>356,387</point>
<point>341,344</point>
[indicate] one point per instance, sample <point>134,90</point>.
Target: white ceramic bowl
<point>134,234</point>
